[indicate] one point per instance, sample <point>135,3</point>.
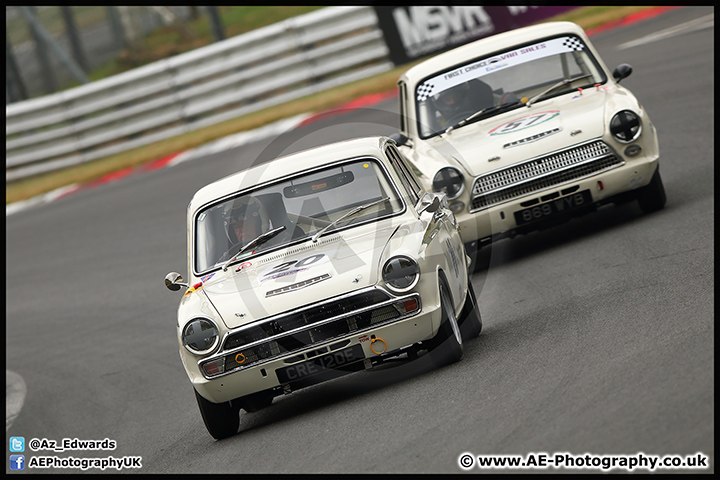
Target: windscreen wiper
<point>348,214</point>
<point>490,109</point>
<point>557,85</point>
<point>259,240</point>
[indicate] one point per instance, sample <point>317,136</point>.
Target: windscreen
<point>303,205</point>
<point>507,78</point>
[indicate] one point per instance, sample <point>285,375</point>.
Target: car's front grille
<point>300,329</point>
<point>281,324</point>
<point>542,173</point>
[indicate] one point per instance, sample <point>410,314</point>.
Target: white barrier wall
<point>240,75</point>
<point>260,69</point>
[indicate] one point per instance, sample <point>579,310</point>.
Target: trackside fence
<point>263,68</point>
<point>300,56</point>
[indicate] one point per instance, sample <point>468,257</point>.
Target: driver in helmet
<point>450,102</point>
<point>461,101</point>
<point>245,219</point>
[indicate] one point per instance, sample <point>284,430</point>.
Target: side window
<point>408,180</point>
<point>410,172</point>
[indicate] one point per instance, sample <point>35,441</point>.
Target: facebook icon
<point>17,462</point>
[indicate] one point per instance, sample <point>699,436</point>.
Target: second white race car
<point>525,129</point>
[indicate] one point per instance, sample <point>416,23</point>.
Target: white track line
<point>707,21</point>
<point>15,390</point>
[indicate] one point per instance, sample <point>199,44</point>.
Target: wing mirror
<point>622,71</point>
<point>429,206</point>
<point>173,281</point>
<point>400,139</point>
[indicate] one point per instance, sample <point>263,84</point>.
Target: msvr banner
<point>413,32</point>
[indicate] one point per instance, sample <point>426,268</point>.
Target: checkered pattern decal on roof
<point>573,44</point>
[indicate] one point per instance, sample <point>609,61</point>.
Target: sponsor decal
<point>533,138</point>
<point>478,69</point>
<point>194,288</point>
<point>199,285</point>
<point>298,286</point>
<point>243,266</point>
<point>453,257</point>
<point>495,67</point>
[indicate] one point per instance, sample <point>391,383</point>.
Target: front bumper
<point>606,176</point>
<point>287,370</point>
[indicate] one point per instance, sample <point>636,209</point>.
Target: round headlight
<point>401,273</point>
<point>448,180</point>
<point>200,336</point>
<point>625,126</point>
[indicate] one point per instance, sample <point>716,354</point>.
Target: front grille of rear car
<point>299,329</point>
<point>542,173</point>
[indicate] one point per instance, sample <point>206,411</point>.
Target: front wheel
<point>256,401</point>
<point>470,319</point>
<point>652,197</point>
<point>221,419</point>
<point>449,345</point>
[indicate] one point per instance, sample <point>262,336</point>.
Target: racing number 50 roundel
<point>524,122</point>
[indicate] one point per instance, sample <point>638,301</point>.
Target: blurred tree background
<point>53,48</point>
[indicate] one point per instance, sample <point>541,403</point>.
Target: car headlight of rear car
<point>625,126</point>
<point>401,273</point>
<point>448,180</point>
<point>200,336</point>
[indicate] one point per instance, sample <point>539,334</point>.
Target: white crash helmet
<point>248,210</point>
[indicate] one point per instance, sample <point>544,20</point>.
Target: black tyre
<point>221,419</point>
<point>256,401</point>
<point>651,198</point>
<point>470,319</point>
<point>448,347</point>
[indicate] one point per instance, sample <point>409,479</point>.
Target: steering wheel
<point>227,255</point>
<point>282,236</point>
<point>509,98</point>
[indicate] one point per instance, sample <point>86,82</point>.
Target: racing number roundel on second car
<point>524,122</point>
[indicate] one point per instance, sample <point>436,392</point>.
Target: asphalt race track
<point>598,334</point>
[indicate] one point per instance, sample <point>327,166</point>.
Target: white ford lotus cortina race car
<point>525,129</point>
<point>312,266</point>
